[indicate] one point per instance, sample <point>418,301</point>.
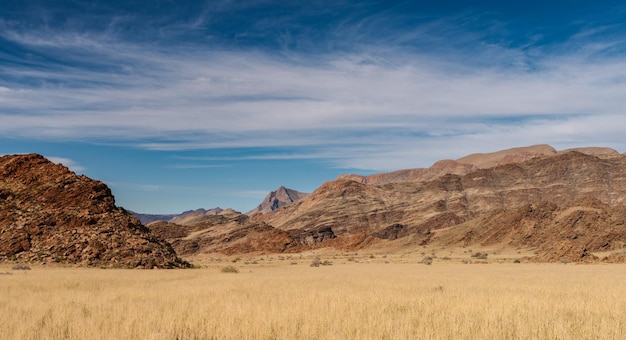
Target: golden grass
<point>343,301</point>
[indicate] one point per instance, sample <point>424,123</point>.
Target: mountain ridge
<point>453,209</point>
<point>469,163</point>
<point>147,218</point>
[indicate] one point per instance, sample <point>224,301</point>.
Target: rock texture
<point>49,214</point>
<point>280,198</point>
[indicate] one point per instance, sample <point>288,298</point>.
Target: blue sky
<point>178,105</point>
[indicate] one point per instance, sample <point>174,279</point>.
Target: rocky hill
<point>177,218</point>
<point>49,214</point>
<point>280,198</point>
<point>565,205</point>
<point>232,232</point>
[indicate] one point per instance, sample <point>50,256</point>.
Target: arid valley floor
<point>361,295</point>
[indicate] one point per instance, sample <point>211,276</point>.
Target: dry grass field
<point>278,298</point>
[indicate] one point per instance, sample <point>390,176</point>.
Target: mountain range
<point>563,205</point>
<point>532,197</point>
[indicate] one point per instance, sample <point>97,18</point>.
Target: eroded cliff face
<point>49,214</point>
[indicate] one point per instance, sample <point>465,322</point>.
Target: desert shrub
<point>517,261</point>
<point>20,266</point>
<point>480,256</point>
<point>316,262</point>
<point>427,260</point>
<point>229,269</point>
<point>351,258</point>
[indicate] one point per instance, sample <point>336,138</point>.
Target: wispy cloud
<point>71,164</point>
<point>373,106</point>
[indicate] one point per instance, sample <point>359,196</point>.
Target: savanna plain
<point>357,297</point>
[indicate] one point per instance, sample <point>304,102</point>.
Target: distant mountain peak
<point>277,199</point>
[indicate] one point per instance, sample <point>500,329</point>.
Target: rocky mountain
<point>280,198</point>
<point>49,214</point>
<point>565,205</point>
<point>147,218</point>
<point>471,163</point>
<point>437,209</point>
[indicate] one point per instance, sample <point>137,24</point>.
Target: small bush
<point>517,261</point>
<point>480,256</point>
<point>229,269</point>
<point>316,262</point>
<point>427,260</point>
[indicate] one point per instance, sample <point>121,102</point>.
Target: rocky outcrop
<point>275,200</point>
<point>559,233</point>
<point>49,214</point>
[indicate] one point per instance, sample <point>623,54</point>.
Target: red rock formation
<point>49,214</point>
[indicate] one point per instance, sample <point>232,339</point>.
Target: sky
<point>178,105</point>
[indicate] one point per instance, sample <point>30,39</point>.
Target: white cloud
<point>71,164</point>
<point>375,109</point>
